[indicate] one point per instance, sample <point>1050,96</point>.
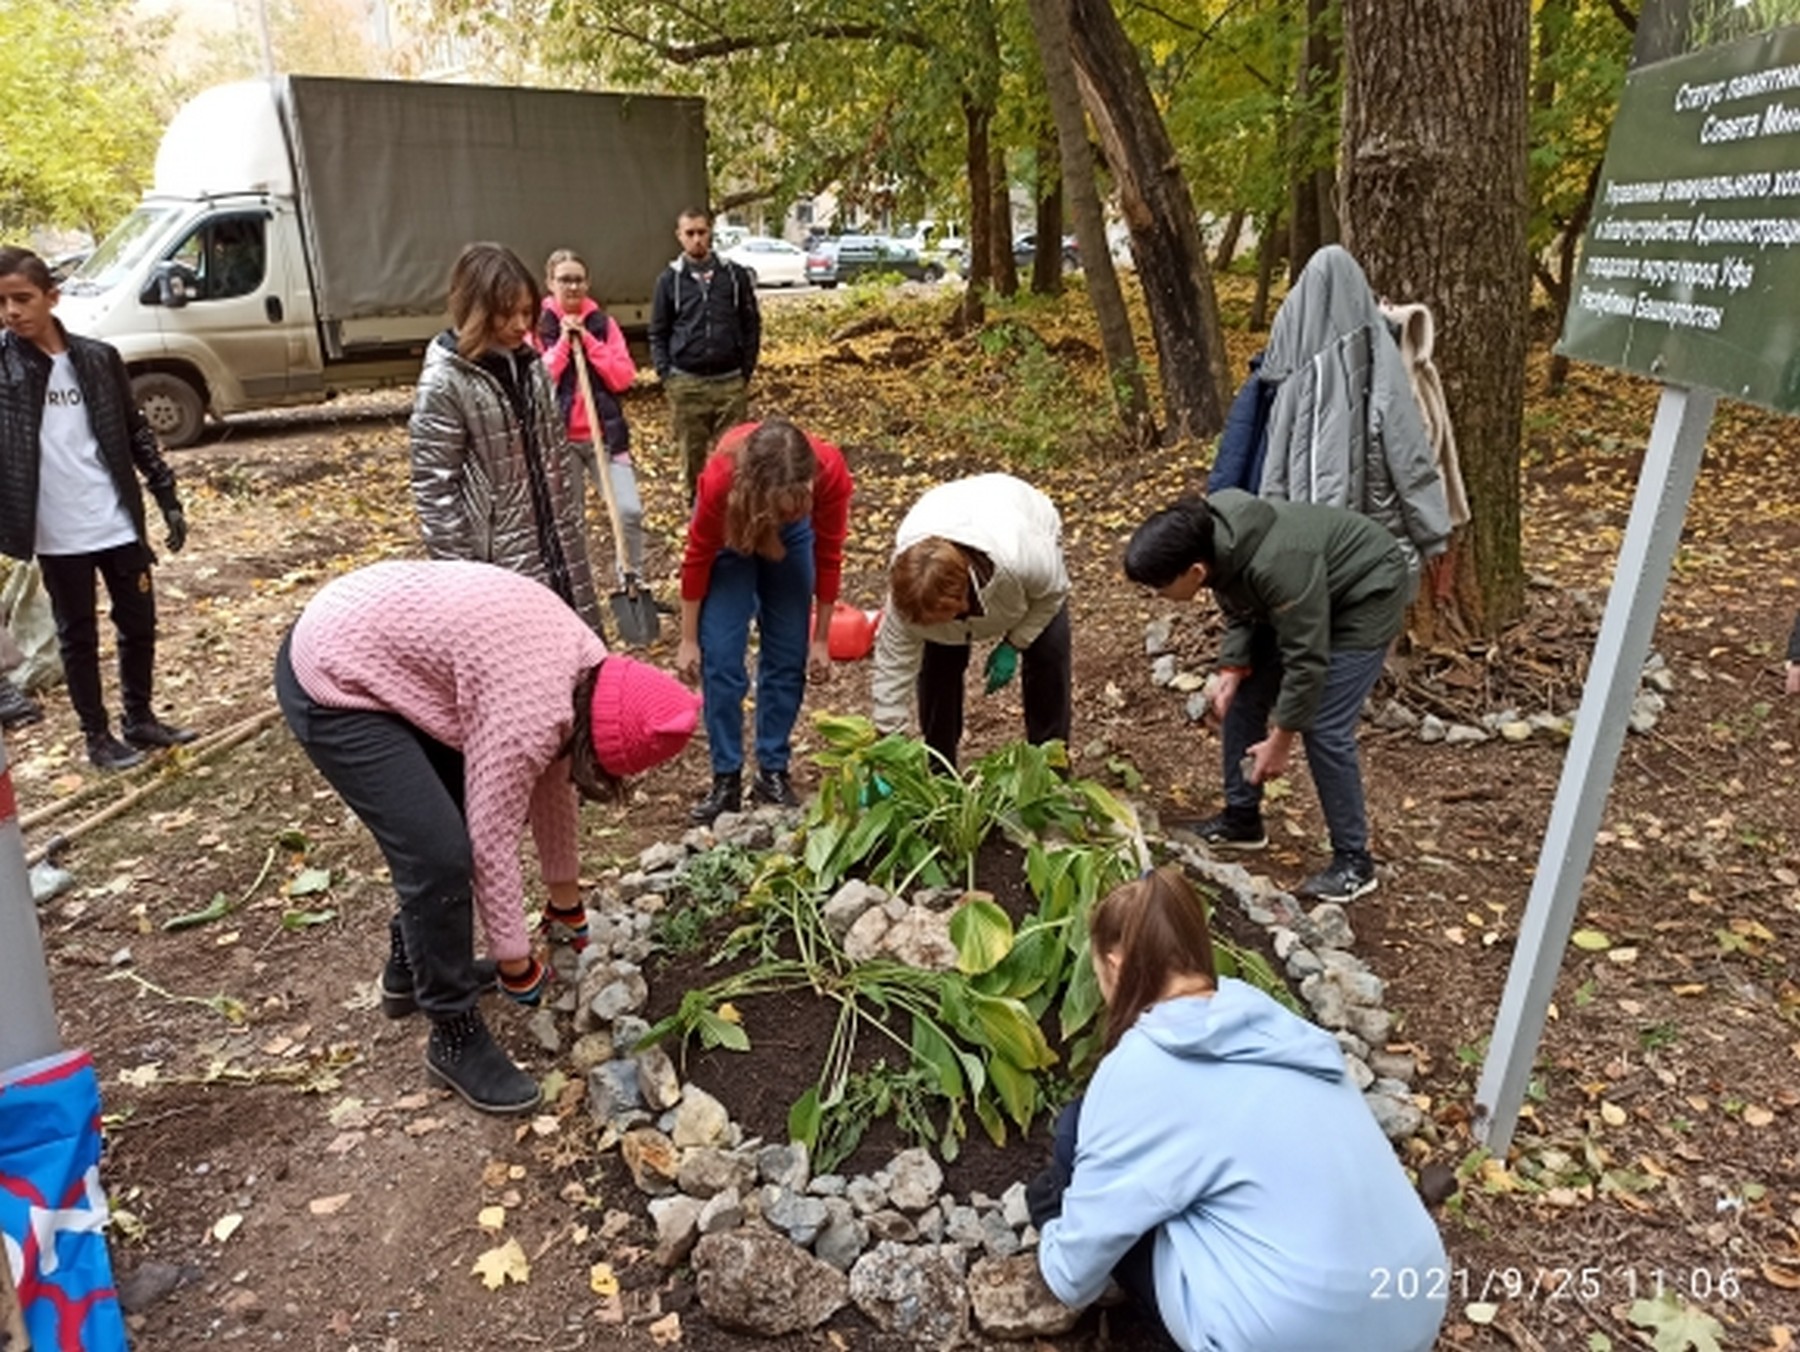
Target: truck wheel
<point>171,406</point>
<point>933,273</point>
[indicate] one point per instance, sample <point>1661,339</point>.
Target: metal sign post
<point>1670,467</point>
<point>27,1016</point>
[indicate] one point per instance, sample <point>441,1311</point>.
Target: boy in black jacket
<point>72,444</point>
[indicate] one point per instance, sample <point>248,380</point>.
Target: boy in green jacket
<point>1313,596</point>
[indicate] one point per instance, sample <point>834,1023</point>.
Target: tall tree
<point>1165,233</point>
<point>1312,215</point>
<point>1050,23</point>
<point>81,109</point>
<point>1435,206</point>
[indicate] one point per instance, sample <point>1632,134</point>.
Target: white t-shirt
<point>78,507</point>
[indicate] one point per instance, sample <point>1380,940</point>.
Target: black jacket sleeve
<point>749,320</point>
<point>145,453</point>
<point>662,321</point>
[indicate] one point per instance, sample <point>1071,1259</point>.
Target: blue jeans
<point>777,594</point>
<point>1330,742</point>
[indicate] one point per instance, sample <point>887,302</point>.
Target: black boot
<point>727,795</point>
<point>106,752</point>
<point>16,707</point>
<point>397,998</point>
<point>147,730</point>
<point>462,1055</point>
<point>774,786</point>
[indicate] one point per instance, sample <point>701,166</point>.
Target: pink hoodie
<point>610,359</point>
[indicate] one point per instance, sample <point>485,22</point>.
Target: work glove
<point>1044,1194</point>
<point>1001,665</point>
<point>176,520</point>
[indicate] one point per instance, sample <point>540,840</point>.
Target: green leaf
<point>1007,1027</point>
<point>294,839</point>
<point>1035,962</point>
<point>982,933</point>
<point>989,1117</point>
<point>932,1049</point>
<point>1083,999</point>
<point>716,1031</point>
<point>309,881</point>
<point>217,909</point>
<point>821,841</point>
<point>1016,1088</point>
<point>804,1118</point>
<point>299,920</point>
<point>1676,1326</point>
<point>1591,940</point>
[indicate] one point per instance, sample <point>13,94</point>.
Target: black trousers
<point>69,583</point>
<point>1044,677</point>
<point>408,790</point>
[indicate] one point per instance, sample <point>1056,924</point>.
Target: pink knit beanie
<point>641,716</point>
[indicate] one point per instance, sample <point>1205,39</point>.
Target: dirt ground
<point>276,1157</point>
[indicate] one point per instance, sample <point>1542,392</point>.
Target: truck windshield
<point>120,253</point>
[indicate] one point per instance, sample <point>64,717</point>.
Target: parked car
<point>769,261</point>
<point>821,262</point>
<point>1025,250</point>
<point>936,241</point>
<point>860,255</point>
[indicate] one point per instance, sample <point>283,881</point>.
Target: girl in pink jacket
<point>570,315</point>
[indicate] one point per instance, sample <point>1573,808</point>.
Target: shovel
<point>633,608</point>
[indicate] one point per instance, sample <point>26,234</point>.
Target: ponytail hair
<point>1156,928</point>
<point>771,486</point>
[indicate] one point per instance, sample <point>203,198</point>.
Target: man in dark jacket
<point>1313,596</point>
<point>705,334</point>
<point>72,444</point>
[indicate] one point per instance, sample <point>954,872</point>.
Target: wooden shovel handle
<point>578,354</point>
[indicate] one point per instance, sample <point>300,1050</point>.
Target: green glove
<point>1001,665</point>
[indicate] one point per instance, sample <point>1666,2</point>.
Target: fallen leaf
<point>1788,1279</point>
<point>1612,1114</point>
<point>491,1218</point>
<point>141,1077</point>
<point>602,1281</point>
<point>423,1126</point>
<point>1480,1311</point>
<point>329,1206</point>
<point>503,1264</point>
<point>667,1330</point>
<point>227,1226</point>
<point>1623,955</point>
<point>1688,988</point>
<point>1675,1325</point>
<point>1590,940</point>
<point>1757,1117</point>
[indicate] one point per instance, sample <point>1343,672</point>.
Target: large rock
<point>700,1120</point>
<point>862,943</point>
<point>677,1227</point>
<point>786,1166</point>
<point>652,1159</point>
<point>758,1282</point>
<point>921,939</point>
<point>1009,1300</point>
<point>916,1180</point>
<point>914,1292</point>
<point>706,1172</point>
<point>847,905</point>
<point>657,1080</point>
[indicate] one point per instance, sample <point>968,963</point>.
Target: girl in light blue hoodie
<point>1222,1165</point>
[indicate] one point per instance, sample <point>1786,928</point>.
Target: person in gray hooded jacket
<point>1344,427</point>
<point>493,474</point>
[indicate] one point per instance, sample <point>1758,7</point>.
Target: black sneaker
<point>1226,832</point>
<point>1349,877</point>
<point>774,786</point>
<point>153,732</point>
<point>726,795</point>
<point>462,1055</point>
<point>17,709</point>
<point>107,752</point>
<point>398,1000</point>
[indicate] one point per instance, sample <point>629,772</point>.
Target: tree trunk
<point>1046,263</point>
<point>1435,205</point>
<point>1560,284</point>
<point>1165,236</point>
<point>1227,247</point>
<point>972,313</point>
<point>1271,241</point>
<point>1000,231</point>
<point>1312,218</point>
<point>1050,24</point>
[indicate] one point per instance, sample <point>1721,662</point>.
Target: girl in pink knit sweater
<point>450,705</point>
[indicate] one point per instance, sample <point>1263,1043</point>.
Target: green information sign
<point>1690,267</point>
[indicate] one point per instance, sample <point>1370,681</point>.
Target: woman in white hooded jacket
<point>975,559</point>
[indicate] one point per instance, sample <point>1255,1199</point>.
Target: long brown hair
<point>1156,927</point>
<point>485,283</point>
<point>770,486</point>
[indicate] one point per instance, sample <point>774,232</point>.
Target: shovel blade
<point>634,613</point>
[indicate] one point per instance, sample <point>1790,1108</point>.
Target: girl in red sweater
<point>771,510</point>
